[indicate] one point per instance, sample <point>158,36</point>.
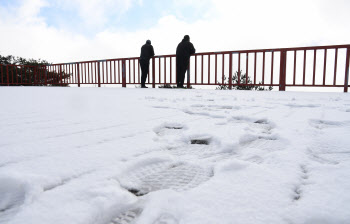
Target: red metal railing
<point>320,66</point>
<point>23,75</point>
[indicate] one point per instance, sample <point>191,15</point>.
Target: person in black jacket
<point>183,54</point>
<point>146,53</point>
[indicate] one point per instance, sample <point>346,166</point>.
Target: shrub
<point>26,75</point>
<point>242,78</point>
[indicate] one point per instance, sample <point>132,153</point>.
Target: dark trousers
<point>181,68</point>
<point>144,70</point>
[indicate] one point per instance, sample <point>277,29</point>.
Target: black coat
<point>184,51</point>
<point>146,52</point>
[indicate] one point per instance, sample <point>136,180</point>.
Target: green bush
<point>26,75</point>
<point>242,78</point>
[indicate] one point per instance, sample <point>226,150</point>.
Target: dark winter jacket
<point>146,52</point>
<point>184,51</point>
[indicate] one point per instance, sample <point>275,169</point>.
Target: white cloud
<point>235,25</point>
<point>97,12</point>
<point>26,13</point>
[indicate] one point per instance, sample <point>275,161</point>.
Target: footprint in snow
<point>298,190</point>
<point>164,175</point>
<point>302,105</point>
<point>262,125</point>
<point>169,128</point>
<point>131,217</point>
<point>12,195</point>
<point>128,217</point>
<point>159,176</point>
<point>166,219</point>
<point>322,124</point>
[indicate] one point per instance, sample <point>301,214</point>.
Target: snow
<point>113,155</point>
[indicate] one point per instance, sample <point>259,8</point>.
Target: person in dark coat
<point>183,53</point>
<point>146,53</point>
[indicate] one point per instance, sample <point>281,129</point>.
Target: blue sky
<point>140,15</point>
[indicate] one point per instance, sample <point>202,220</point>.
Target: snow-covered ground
<point>152,156</point>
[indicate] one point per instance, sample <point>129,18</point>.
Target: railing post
<point>283,65</point>
<point>45,75</point>
<point>35,74</point>
<point>1,73</point>
<point>60,71</point>
<point>189,75</point>
<point>153,73</point>
<point>98,74</point>
<point>78,64</point>
<point>346,83</point>
<point>230,73</point>
<point>123,74</point>
<point>39,75</point>
<point>39,82</point>
<point>8,77</point>
<point>177,81</point>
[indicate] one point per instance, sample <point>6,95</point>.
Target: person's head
<point>148,42</point>
<point>187,38</point>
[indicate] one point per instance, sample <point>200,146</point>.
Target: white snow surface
<point>152,156</point>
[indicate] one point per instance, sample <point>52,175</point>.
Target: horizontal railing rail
<point>317,66</point>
